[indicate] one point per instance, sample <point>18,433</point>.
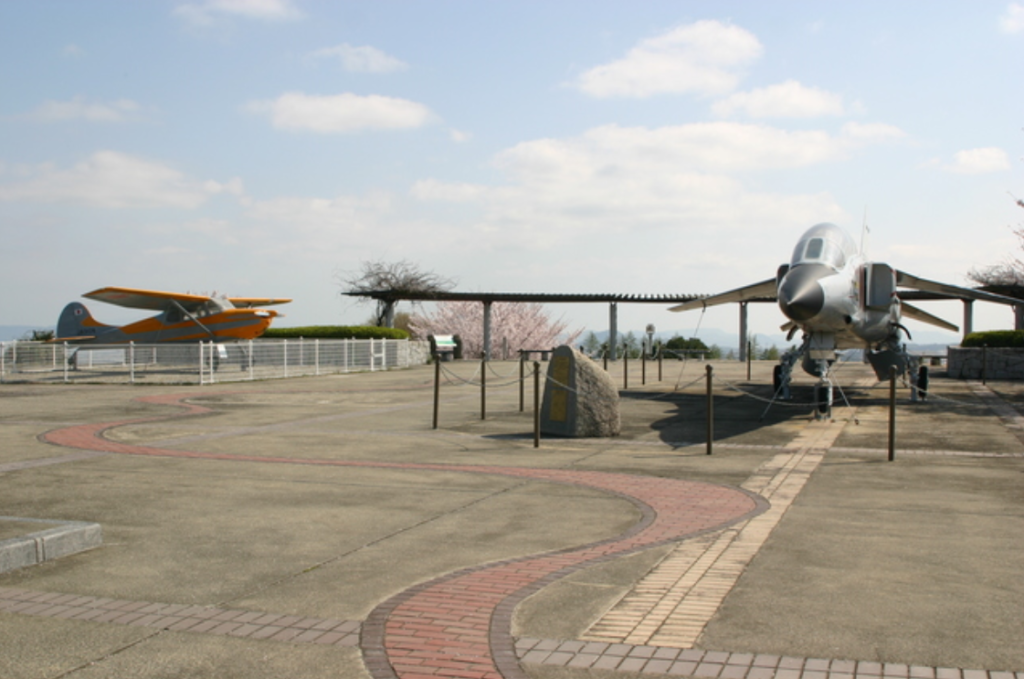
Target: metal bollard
<point>892,413</point>
<point>483,389</point>
<point>437,386</point>
<point>711,409</point>
<point>536,404</point>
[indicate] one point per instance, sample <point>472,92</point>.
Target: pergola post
<point>613,328</point>
<point>968,317</point>
<point>743,331</point>
<point>487,329</point>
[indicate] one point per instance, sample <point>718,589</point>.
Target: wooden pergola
<point>390,298</point>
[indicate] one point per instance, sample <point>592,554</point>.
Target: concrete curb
<point>70,537</point>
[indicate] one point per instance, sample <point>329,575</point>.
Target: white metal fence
<point>205,363</point>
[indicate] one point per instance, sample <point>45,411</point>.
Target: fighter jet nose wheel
<point>823,400</point>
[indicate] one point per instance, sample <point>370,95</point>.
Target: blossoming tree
<point>514,326</point>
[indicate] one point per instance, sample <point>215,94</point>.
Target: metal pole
<point>984,363</point>
<point>625,368</point>
<point>643,368</point>
<point>483,388</point>
<point>660,354</point>
<point>522,382</point>
<point>437,388</point>
<point>536,404</point>
<point>892,413</point>
<point>748,361</point>
<point>711,409</point>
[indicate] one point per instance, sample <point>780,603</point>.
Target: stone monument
<point>580,398</point>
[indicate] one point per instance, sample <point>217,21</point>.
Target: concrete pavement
<point>320,527</point>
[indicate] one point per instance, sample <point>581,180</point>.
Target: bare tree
<point>394,277</point>
<point>1006,278</point>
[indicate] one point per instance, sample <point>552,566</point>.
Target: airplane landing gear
<point>823,401</point>
<point>922,387</point>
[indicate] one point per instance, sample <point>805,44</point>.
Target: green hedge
<point>995,338</point>
<point>336,332</point>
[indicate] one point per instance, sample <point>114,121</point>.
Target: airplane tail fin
<point>77,323</point>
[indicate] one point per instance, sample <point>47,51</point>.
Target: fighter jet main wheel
<point>922,382</point>
<point>822,398</point>
<point>777,378</point>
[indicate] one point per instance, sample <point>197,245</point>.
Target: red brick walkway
<point>459,625</point>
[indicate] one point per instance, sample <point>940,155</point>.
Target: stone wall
<point>418,352</point>
<point>1000,364</point>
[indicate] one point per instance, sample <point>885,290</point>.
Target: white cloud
<point>700,58</point>
<point>1013,20</point>
<point>698,147</point>
<point>786,100</point>
<point>449,192</point>
<point>109,179</point>
<point>322,228</point>
<point>207,13</point>
<point>362,59</point>
<point>73,50</point>
<point>342,112</point>
<point>458,136</point>
<point>869,133</point>
<point>79,108</point>
<point>620,181</point>
<point>979,161</point>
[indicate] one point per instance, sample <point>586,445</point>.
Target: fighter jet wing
<point>925,317</point>
<point>251,302</point>
<point>763,290</point>
<point>905,280</point>
<point>147,299</point>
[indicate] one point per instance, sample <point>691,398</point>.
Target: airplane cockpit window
<point>814,248</point>
<point>209,309</point>
<point>819,251</point>
<point>173,315</point>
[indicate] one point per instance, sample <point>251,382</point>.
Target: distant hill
<point>928,342</point>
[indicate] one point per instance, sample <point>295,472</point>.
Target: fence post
<point>711,409</point>
<point>661,352</point>
<point>483,388</point>
<point>65,362</point>
<point>892,413</point>
<point>251,347</point>
<point>437,388</point>
<point>536,404</point>
<point>643,368</point>
<point>373,358</point>
<point>625,368</point>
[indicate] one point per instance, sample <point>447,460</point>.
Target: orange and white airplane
<point>183,318</point>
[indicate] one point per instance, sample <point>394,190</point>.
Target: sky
<point>269,147</point>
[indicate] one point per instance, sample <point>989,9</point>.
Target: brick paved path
<point>460,624</point>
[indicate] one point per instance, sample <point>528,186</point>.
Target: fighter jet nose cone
<point>800,296</point>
